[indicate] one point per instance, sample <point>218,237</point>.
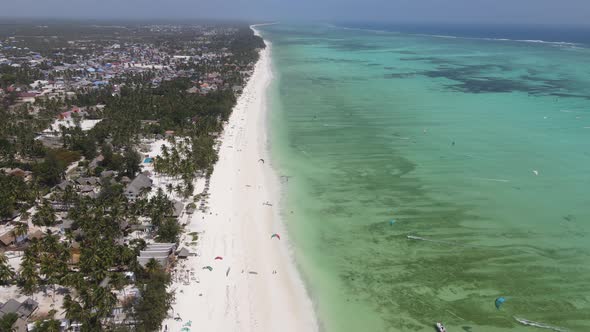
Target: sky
<point>426,11</point>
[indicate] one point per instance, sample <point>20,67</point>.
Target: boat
<point>440,327</point>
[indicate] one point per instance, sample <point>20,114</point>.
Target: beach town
<point>138,193</point>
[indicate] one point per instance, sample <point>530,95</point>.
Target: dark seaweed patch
<point>473,78</point>
<point>405,52</point>
<point>461,72</point>
<point>400,75</point>
<point>552,83</point>
<point>487,78</point>
<point>353,46</point>
<point>340,60</point>
<point>489,84</point>
<point>430,59</point>
<point>321,80</point>
<point>566,95</point>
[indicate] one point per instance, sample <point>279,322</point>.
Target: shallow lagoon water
<point>479,147</point>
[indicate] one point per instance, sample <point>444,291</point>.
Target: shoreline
<point>255,286</point>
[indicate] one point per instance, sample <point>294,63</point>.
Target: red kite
<point>218,257</point>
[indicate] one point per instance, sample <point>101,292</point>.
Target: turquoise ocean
<point>476,148</point>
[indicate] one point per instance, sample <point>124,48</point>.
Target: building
<point>23,310</point>
<point>7,239</point>
<point>177,209</point>
<point>138,186</point>
<point>89,181</point>
<point>27,97</point>
<point>183,253</point>
<point>162,252</point>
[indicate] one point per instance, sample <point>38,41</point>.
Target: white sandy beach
<point>242,292</point>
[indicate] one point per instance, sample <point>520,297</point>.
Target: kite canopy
<point>275,235</point>
<point>499,302</point>
<point>218,258</point>
<point>208,268</point>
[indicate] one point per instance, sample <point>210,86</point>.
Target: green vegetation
<point>45,216</point>
<point>50,325</point>
<point>126,163</point>
<point>194,236</point>
<point>50,171</point>
<point>15,195</point>
<point>22,75</point>
<point>155,301</point>
<point>44,263</point>
<point>168,107</point>
<point>7,321</point>
<point>6,272</point>
<point>169,231</point>
<point>90,305</point>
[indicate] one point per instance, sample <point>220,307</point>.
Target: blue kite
<point>499,301</point>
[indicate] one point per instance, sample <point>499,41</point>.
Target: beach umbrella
<point>275,235</point>
<point>218,258</point>
<point>499,301</point>
<point>208,268</point>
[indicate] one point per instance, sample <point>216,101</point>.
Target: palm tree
<point>118,281</point>
<point>7,321</point>
<point>152,266</point>
<point>24,216</point>
<point>51,325</point>
<point>164,151</point>
<point>29,276</point>
<point>20,229</point>
<point>91,305</point>
<point>72,308</point>
<point>53,261</point>
<point>74,280</point>
<point>45,216</point>
<point>178,189</point>
<point>6,271</point>
<point>69,196</point>
<point>105,300</point>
